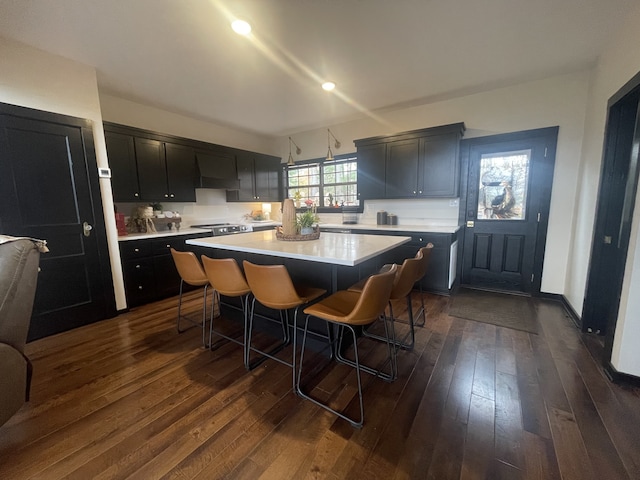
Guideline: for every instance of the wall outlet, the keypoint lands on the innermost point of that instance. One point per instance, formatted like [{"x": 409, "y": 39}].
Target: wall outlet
[{"x": 454, "y": 202}]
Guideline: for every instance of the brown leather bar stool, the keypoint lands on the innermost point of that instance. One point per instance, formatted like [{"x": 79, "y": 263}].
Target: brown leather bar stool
[
  {"x": 422, "y": 271},
  {"x": 227, "y": 280},
  {"x": 191, "y": 273},
  {"x": 349, "y": 309},
  {"x": 402, "y": 286},
  {"x": 272, "y": 287}
]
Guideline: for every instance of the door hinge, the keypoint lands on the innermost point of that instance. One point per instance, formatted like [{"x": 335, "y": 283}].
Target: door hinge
[{"x": 545, "y": 152}]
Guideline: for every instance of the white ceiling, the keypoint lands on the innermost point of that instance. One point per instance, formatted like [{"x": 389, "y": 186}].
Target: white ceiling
[{"x": 181, "y": 55}]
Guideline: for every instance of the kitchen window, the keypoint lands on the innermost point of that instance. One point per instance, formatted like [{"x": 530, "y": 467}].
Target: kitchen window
[{"x": 327, "y": 184}]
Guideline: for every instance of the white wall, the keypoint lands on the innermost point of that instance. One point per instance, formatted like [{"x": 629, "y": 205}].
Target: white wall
[
  {"x": 554, "y": 101},
  {"x": 617, "y": 65},
  {"x": 36, "y": 79}
]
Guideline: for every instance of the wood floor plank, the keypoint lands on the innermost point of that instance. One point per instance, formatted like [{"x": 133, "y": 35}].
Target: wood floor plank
[
  {"x": 129, "y": 397},
  {"x": 573, "y": 459},
  {"x": 479, "y": 446},
  {"x": 508, "y": 422},
  {"x": 540, "y": 458}
]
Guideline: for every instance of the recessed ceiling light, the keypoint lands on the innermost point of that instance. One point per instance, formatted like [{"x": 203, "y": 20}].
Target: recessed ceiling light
[
  {"x": 328, "y": 86},
  {"x": 241, "y": 27}
]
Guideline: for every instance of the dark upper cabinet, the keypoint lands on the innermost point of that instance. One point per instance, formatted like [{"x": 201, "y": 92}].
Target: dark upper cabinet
[
  {"x": 419, "y": 163},
  {"x": 260, "y": 178},
  {"x": 371, "y": 171},
  {"x": 153, "y": 167},
  {"x": 402, "y": 168},
  {"x": 181, "y": 172},
  {"x": 166, "y": 171},
  {"x": 122, "y": 161},
  {"x": 439, "y": 166},
  {"x": 152, "y": 171}
]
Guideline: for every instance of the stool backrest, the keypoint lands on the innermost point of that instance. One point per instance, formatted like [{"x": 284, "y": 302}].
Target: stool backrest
[
  {"x": 189, "y": 268},
  {"x": 426, "y": 254},
  {"x": 271, "y": 285},
  {"x": 374, "y": 297},
  {"x": 225, "y": 276},
  {"x": 406, "y": 276}
]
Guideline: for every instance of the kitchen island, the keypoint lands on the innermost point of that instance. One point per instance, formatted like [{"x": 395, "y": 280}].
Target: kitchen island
[{"x": 327, "y": 254}]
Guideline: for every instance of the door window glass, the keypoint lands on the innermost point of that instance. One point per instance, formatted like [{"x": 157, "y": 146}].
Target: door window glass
[{"x": 504, "y": 180}]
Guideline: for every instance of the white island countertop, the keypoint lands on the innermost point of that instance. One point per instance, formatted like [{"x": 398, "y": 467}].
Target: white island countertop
[{"x": 333, "y": 248}]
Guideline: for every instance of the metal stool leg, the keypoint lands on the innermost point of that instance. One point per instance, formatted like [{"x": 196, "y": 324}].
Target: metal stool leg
[{"x": 355, "y": 422}]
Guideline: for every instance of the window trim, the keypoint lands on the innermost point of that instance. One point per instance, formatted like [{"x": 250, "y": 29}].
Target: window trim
[{"x": 321, "y": 162}]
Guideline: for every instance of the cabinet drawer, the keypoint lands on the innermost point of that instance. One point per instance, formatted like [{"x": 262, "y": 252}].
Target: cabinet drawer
[
  {"x": 139, "y": 281},
  {"x": 135, "y": 249},
  {"x": 161, "y": 246}
]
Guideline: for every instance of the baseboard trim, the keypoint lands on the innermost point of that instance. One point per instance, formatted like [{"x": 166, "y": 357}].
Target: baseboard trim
[
  {"x": 557, "y": 297},
  {"x": 619, "y": 377}
]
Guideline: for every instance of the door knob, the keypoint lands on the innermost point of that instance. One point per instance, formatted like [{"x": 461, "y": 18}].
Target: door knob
[{"x": 86, "y": 229}]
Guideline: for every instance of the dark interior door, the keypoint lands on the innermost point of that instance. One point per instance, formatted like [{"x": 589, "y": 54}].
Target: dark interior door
[
  {"x": 507, "y": 206},
  {"x": 49, "y": 190},
  {"x": 616, "y": 199}
]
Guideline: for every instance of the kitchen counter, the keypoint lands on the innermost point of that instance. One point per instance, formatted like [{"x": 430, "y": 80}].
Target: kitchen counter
[
  {"x": 331, "y": 248},
  {"x": 394, "y": 228},
  {"x": 161, "y": 234}
]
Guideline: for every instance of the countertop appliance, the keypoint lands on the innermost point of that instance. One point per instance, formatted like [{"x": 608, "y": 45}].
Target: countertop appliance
[{"x": 218, "y": 229}]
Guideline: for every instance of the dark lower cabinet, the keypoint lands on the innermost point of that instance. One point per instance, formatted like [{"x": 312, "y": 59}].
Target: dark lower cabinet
[
  {"x": 149, "y": 271},
  {"x": 437, "y": 278}
]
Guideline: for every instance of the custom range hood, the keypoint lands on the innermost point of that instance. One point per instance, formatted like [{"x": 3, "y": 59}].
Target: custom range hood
[{"x": 217, "y": 171}]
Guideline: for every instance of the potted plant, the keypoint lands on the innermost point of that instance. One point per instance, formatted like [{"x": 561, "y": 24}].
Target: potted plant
[
  {"x": 157, "y": 208},
  {"x": 306, "y": 221},
  {"x": 297, "y": 196}
]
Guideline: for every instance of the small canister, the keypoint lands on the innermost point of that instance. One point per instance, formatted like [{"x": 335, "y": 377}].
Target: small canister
[
  {"x": 381, "y": 218},
  {"x": 392, "y": 219}
]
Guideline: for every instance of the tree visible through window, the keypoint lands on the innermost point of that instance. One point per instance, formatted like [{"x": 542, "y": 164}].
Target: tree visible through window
[{"x": 327, "y": 184}]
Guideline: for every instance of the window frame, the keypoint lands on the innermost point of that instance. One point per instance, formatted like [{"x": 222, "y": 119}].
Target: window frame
[{"x": 321, "y": 162}]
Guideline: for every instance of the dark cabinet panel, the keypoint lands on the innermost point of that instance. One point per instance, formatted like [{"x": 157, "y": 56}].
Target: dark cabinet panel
[
  {"x": 439, "y": 166},
  {"x": 139, "y": 281},
  {"x": 260, "y": 178},
  {"x": 402, "y": 168},
  {"x": 152, "y": 172},
  {"x": 371, "y": 171},
  {"x": 122, "y": 161},
  {"x": 246, "y": 192},
  {"x": 181, "y": 172}
]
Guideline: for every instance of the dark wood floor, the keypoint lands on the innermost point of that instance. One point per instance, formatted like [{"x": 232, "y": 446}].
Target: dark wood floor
[{"x": 131, "y": 398}]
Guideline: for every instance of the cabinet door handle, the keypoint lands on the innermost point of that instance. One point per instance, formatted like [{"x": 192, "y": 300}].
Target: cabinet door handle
[
  {"x": 414, "y": 192},
  {"x": 166, "y": 195},
  {"x": 420, "y": 191},
  {"x": 138, "y": 267},
  {"x": 168, "y": 246},
  {"x": 172, "y": 195},
  {"x": 136, "y": 250},
  {"x": 136, "y": 194},
  {"x": 139, "y": 287}
]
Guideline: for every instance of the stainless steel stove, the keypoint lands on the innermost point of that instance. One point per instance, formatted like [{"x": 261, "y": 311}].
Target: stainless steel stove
[{"x": 218, "y": 229}]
